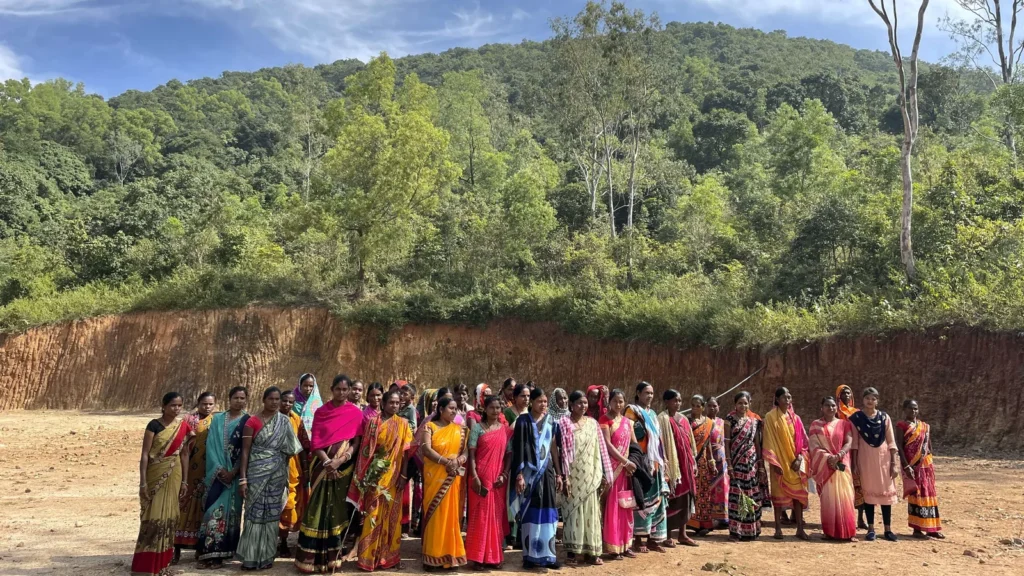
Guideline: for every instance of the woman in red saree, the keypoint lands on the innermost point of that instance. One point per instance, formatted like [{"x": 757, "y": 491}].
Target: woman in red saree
[
  {"x": 488, "y": 510},
  {"x": 711, "y": 498},
  {"x": 161, "y": 487},
  {"x": 914, "y": 440},
  {"x": 680, "y": 464},
  {"x": 617, "y": 431},
  {"x": 831, "y": 441}
]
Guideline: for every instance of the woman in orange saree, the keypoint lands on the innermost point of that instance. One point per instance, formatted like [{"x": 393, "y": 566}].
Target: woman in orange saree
[
  {"x": 161, "y": 487},
  {"x": 378, "y": 484},
  {"x": 711, "y": 500},
  {"x": 831, "y": 440},
  {"x": 291, "y": 515},
  {"x": 914, "y": 440},
  {"x": 444, "y": 458}
]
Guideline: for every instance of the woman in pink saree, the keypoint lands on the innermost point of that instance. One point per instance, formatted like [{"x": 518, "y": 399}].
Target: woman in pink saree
[
  {"x": 488, "y": 512},
  {"x": 618, "y": 516},
  {"x": 831, "y": 440}
]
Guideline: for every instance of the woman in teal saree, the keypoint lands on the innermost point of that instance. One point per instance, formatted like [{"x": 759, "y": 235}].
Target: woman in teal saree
[{"x": 222, "y": 519}]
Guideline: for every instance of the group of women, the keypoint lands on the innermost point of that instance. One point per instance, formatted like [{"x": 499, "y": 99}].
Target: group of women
[{"x": 475, "y": 479}]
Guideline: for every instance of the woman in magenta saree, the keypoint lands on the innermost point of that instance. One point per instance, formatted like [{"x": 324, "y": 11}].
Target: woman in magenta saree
[
  {"x": 830, "y": 442},
  {"x": 617, "y": 431}
]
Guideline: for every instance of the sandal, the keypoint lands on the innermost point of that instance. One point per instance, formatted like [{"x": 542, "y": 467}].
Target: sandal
[
  {"x": 937, "y": 535},
  {"x": 640, "y": 549},
  {"x": 686, "y": 541},
  {"x": 629, "y": 554},
  {"x": 703, "y": 532},
  {"x": 596, "y": 561}
]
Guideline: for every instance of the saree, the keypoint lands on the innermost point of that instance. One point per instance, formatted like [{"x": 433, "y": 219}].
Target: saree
[
  {"x": 535, "y": 510},
  {"x": 845, "y": 410},
  {"x": 784, "y": 440},
  {"x": 273, "y": 445},
  {"x": 618, "y": 520},
  {"x": 295, "y": 503},
  {"x": 835, "y": 487},
  {"x": 158, "y": 517},
  {"x": 651, "y": 517},
  {"x": 748, "y": 491},
  {"x": 488, "y": 514},
  {"x": 187, "y": 535},
  {"x": 375, "y": 491},
  {"x": 711, "y": 497},
  {"x": 222, "y": 519},
  {"x": 327, "y": 514},
  {"x": 680, "y": 466},
  {"x": 581, "y": 510},
  {"x": 442, "y": 539},
  {"x": 922, "y": 498}
]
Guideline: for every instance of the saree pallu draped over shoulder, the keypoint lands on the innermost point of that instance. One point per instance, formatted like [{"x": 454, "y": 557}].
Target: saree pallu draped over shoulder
[
  {"x": 711, "y": 500},
  {"x": 748, "y": 485},
  {"x": 785, "y": 440},
  {"x": 442, "y": 539},
  {"x": 581, "y": 510},
  {"x": 267, "y": 476},
  {"x": 680, "y": 466},
  {"x": 922, "y": 497},
  {"x": 222, "y": 518},
  {"x": 158, "y": 517},
  {"x": 375, "y": 491},
  {"x": 618, "y": 519},
  {"x": 651, "y": 516},
  {"x": 187, "y": 535},
  {"x": 488, "y": 514},
  {"x": 535, "y": 510},
  {"x": 295, "y": 504},
  {"x": 835, "y": 487}
]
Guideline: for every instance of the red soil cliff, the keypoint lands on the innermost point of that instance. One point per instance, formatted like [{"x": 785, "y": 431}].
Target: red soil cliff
[{"x": 968, "y": 381}]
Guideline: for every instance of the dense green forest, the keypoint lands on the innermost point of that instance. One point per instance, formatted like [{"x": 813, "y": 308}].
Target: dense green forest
[{"x": 692, "y": 183}]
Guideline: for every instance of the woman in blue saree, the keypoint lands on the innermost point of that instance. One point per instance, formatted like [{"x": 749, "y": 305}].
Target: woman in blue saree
[
  {"x": 268, "y": 442},
  {"x": 534, "y": 465},
  {"x": 222, "y": 518}
]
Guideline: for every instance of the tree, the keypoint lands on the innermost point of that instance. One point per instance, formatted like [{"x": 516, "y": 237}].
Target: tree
[
  {"x": 124, "y": 152},
  {"x": 907, "y": 99},
  {"x": 389, "y": 163},
  {"x": 991, "y": 31}
]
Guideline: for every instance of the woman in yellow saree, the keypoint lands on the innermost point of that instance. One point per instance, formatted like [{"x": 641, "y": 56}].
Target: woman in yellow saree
[
  {"x": 785, "y": 452},
  {"x": 444, "y": 458},
  {"x": 161, "y": 487},
  {"x": 376, "y": 490}
]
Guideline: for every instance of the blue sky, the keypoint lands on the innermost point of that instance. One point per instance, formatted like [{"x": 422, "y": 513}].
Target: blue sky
[{"x": 116, "y": 45}]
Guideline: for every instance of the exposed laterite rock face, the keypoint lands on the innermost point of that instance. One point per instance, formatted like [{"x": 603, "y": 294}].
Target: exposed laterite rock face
[{"x": 968, "y": 381}]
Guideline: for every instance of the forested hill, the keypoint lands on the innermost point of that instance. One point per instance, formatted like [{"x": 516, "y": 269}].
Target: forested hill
[{"x": 687, "y": 183}]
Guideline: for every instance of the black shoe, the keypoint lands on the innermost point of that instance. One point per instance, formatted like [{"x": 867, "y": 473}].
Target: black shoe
[{"x": 891, "y": 537}]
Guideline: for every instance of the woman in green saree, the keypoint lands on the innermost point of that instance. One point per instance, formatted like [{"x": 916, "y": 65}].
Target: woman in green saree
[{"x": 222, "y": 519}]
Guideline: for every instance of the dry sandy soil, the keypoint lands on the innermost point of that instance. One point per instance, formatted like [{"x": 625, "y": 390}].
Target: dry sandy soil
[{"x": 67, "y": 486}]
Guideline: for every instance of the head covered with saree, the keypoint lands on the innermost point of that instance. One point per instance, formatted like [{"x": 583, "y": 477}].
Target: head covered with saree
[
  {"x": 845, "y": 410},
  {"x": 479, "y": 395},
  {"x": 307, "y": 407},
  {"x": 597, "y": 409}
]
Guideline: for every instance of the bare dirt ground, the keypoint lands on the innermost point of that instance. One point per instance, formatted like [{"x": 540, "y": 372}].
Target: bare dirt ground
[{"x": 70, "y": 506}]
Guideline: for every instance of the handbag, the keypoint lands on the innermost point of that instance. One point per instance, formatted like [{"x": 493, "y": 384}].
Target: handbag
[{"x": 626, "y": 499}]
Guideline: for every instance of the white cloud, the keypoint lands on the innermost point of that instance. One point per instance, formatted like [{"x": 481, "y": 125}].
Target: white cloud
[
  {"x": 42, "y": 8},
  {"x": 519, "y": 15},
  {"x": 333, "y": 29},
  {"x": 10, "y": 65}
]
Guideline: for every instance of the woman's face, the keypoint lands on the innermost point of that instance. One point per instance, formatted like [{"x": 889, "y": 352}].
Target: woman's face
[
  {"x": 911, "y": 412},
  {"x": 493, "y": 411},
  {"x": 696, "y": 408},
  {"x": 828, "y": 410},
  {"x": 523, "y": 400},
  {"x": 673, "y": 404},
  {"x": 616, "y": 404},
  {"x": 272, "y": 403},
  {"x": 594, "y": 396},
  {"x": 742, "y": 405},
  {"x": 579, "y": 407},
  {"x": 507, "y": 391},
  {"x": 307, "y": 387},
  {"x": 390, "y": 408},
  {"x": 173, "y": 408},
  {"x": 355, "y": 393},
  {"x": 287, "y": 401},
  {"x": 845, "y": 396},
  {"x": 463, "y": 397},
  {"x": 784, "y": 401},
  {"x": 871, "y": 401},
  {"x": 205, "y": 406},
  {"x": 374, "y": 397},
  {"x": 712, "y": 408},
  {"x": 448, "y": 413},
  {"x": 341, "y": 393},
  {"x": 646, "y": 396},
  {"x": 562, "y": 401},
  {"x": 539, "y": 405},
  {"x": 237, "y": 401}
]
